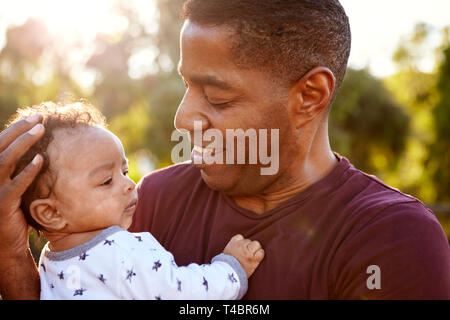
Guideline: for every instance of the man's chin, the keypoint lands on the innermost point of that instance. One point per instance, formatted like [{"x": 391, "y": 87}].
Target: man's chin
[
  {"x": 219, "y": 177},
  {"x": 229, "y": 179}
]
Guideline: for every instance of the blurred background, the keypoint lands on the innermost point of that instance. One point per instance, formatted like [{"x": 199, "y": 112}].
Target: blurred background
[{"x": 391, "y": 117}]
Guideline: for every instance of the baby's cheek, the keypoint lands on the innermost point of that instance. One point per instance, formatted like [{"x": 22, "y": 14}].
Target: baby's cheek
[
  {"x": 110, "y": 205},
  {"x": 101, "y": 205},
  {"x": 104, "y": 204}
]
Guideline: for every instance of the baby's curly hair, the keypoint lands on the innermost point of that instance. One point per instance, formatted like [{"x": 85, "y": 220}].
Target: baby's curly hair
[{"x": 54, "y": 116}]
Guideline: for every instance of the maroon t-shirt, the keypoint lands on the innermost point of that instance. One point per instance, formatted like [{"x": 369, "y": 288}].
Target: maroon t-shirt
[{"x": 348, "y": 236}]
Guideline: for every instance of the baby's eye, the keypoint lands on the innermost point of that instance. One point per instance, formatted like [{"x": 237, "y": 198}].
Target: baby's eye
[
  {"x": 125, "y": 172},
  {"x": 107, "y": 182}
]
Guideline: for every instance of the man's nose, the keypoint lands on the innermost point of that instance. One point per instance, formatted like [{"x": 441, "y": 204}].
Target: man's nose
[{"x": 190, "y": 112}]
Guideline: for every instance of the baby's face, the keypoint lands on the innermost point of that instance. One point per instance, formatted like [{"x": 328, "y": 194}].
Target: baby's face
[{"x": 92, "y": 188}]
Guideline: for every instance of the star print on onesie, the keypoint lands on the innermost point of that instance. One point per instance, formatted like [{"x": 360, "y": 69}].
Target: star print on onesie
[
  {"x": 232, "y": 278},
  {"x": 101, "y": 278},
  {"x": 156, "y": 265},
  {"x": 108, "y": 242},
  {"x": 79, "y": 292},
  {"x": 130, "y": 274},
  {"x": 205, "y": 283},
  {"x": 117, "y": 264}
]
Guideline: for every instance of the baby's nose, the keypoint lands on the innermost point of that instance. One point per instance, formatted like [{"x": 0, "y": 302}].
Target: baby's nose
[{"x": 129, "y": 185}]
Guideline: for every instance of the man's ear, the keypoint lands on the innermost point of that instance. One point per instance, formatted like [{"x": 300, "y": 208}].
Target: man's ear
[
  {"x": 311, "y": 95},
  {"x": 44, "y": 212}
]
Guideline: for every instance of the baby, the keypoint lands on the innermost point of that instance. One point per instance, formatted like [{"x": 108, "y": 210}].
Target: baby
[{"x": 83, "y": 202}]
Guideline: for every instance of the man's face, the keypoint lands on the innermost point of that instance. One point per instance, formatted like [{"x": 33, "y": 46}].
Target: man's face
[{"x": 223, "y": 96}]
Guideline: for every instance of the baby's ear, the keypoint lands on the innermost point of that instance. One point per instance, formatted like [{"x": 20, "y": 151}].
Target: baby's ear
[{"x": 44, "y": 212}]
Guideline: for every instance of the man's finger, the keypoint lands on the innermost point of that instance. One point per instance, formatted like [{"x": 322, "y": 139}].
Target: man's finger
[
  {"x": 18, "y": 128},
  {"x": 23, "y": 180},
  {"x": 10, "y": 156}
]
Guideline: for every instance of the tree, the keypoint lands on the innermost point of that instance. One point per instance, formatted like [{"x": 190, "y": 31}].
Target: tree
[
  {"x": 439, "y": 158},
  {"x": 423, "y": 170},
  {"x": 25, "y": 76},
  {"x": 366, "y": 124}
]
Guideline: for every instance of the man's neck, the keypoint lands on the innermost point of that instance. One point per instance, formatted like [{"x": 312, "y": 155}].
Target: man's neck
[{"x": 295, "y": 181}]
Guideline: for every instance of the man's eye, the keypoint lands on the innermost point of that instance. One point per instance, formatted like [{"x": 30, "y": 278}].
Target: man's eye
[{"x": 217, "y": 105}]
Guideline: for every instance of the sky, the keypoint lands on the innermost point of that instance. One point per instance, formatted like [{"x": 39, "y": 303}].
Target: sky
[{"x": 377, "y": 25}]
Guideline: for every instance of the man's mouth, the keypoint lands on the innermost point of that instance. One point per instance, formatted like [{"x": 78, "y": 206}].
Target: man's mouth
[{"x": 202, "y": 155}]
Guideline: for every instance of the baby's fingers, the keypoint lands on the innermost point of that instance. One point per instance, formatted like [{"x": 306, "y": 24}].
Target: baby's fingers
[
  {"x": 259, "y": 255},
  {"x": 253, "y": 246},
  {"x": 237, "y": 237}
]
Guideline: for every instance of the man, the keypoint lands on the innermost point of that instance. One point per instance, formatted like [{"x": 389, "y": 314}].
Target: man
[{"x": 329, "y": 231}]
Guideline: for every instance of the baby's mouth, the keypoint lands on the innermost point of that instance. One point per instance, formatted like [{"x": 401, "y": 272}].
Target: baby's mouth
[{"x": 131, "y": 206}]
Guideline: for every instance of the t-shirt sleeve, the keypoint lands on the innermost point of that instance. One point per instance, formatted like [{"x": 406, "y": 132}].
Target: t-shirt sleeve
[
  {"x": 150, "y": 272},
  {"x": 402, "y": 253}
]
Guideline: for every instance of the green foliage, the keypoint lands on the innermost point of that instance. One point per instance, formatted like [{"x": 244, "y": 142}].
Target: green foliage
[
  {"x": 412, "y": 48},
  {"x": 37, "y": 242},
  {"x": 424, "y": 168},
  {"x": 366, "y": 124},
  {"x": 439, "y": 158},
  {"x": 416, "y": 92},
  {"x": 131, "y": 126}
]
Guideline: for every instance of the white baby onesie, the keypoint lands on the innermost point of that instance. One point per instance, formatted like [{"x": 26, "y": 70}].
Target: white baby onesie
[{"x": 117, "y": 264}]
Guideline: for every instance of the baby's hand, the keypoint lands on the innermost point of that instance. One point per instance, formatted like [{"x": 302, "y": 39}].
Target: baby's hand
[{"x": 249, "y": 253}]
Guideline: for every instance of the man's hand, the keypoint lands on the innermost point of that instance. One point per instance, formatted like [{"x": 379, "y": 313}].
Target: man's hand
[
  {"x": 14, "y": 142},
  {"x": 17, "y": 270}
]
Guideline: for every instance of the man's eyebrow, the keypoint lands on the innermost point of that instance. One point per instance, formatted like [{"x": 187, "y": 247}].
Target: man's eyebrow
[
  {"x": 206, "y": 80},
  {"x": 210, "y": 80}
]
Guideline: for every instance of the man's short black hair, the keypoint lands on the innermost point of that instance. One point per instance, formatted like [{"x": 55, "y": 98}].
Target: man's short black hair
[{"x": 284, "y": 37}]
